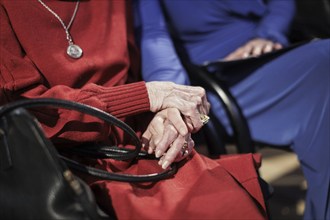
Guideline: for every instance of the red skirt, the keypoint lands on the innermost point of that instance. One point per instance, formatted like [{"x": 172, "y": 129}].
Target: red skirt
[{"x": 203, "y": 188}]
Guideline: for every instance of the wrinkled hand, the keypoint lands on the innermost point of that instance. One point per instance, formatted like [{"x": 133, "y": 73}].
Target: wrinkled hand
[
  {"x": 254, "y": 48},
  {"x": 189, "y": 100},
  {"x": 165, "y": 136}
]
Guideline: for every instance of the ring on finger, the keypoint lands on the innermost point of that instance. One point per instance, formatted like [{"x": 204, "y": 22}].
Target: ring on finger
[
  {"x": 204, "y": 118},
  {"x": 184, "y": 149}
]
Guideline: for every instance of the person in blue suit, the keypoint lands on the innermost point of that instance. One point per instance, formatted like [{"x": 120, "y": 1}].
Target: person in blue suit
[{"x": 286, "y": 100}]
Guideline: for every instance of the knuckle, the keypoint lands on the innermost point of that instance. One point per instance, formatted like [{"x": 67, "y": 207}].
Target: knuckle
[
  {"x": 184, "y": 131},
  {"x": 191, "y": 109},
  {"x": 188, "y": 109},
  {"x": 201, "y": 91},
  {"x": 198, "y": 100},
  {"x": 173, "y": 130},
  {"x": 158, "y": 119}
]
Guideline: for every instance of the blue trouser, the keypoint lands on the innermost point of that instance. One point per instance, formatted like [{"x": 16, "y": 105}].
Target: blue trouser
[{"x": 286, "y": 102}]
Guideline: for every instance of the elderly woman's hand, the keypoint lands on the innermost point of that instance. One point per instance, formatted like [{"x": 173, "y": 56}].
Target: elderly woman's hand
[
  {"x": 189, "y": 100},
  {"x": 167, "y": 136}
]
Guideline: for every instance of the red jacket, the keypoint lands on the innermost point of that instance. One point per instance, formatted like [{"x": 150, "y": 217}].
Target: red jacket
[{"x": 34, "y": 62}]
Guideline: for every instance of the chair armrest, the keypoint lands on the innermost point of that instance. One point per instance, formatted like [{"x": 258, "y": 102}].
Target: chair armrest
[{"x": 201, "y": 77}]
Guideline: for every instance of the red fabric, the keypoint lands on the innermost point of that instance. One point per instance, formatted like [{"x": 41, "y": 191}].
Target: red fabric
[
  {"x": 202, "y": 189},
  {"x": 247, "y": 176},
  {"x": 34, "y": 62}
]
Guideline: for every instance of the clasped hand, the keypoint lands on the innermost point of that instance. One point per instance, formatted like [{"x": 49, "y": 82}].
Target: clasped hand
[{"x": 178, "y": 111}]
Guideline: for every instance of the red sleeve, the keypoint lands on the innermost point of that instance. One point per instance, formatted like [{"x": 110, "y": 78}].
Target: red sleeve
[{"x": 19, "y": 78}]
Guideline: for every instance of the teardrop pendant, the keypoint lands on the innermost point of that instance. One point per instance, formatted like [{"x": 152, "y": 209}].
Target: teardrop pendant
[{"x": 74, "y": 51}]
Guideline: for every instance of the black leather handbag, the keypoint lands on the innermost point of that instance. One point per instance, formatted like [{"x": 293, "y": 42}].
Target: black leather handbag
[{"x": 36, "y": 182}]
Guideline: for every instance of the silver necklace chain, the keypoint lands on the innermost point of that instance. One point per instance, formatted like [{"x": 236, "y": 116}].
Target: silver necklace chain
[{"x": 73, "y": 50}]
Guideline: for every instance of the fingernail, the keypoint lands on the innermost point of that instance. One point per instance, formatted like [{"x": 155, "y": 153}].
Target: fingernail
[
  {"x": 158, "y": 153},
  {"x": 150, "y": 150},
  {"x": 165, "y": 164}
]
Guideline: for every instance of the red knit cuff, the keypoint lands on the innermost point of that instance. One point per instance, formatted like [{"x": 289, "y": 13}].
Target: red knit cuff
[{"x": 126, "y": 100}]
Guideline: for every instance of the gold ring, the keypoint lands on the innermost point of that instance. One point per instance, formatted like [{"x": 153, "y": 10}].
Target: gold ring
[
  {"x": 184, "y": 149},
  {"x": 204, "y": 118}
]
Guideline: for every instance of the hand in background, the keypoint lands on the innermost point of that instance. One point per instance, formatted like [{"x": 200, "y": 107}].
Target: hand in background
[{"x": 254, "y": 48}]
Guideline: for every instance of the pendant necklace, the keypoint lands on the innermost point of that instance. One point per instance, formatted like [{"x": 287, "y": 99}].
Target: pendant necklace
[{"x": 73, "y": 50}]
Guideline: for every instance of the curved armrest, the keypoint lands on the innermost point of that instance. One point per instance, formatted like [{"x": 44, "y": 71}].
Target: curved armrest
[{"x": 201, "y": 77}]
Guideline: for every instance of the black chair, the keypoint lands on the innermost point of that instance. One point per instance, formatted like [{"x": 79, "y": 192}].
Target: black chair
[{"x": 214, "y": 133}]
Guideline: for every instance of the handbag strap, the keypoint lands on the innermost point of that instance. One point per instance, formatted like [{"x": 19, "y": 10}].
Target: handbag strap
[
  {"x": 44, "y": 102},
  {"x": 115, "y": 153}
]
